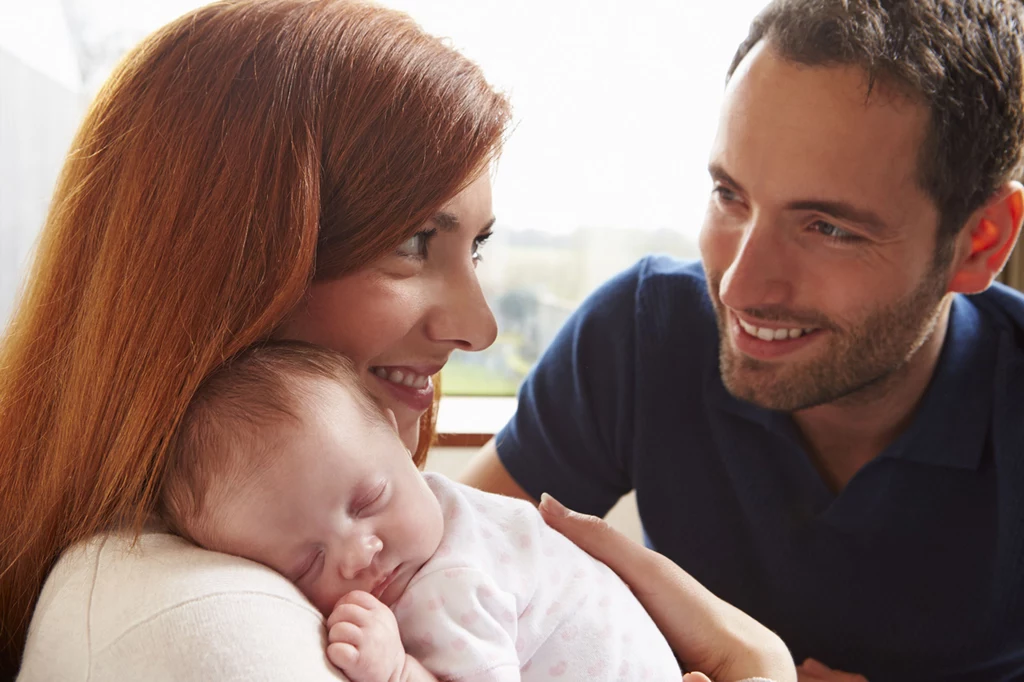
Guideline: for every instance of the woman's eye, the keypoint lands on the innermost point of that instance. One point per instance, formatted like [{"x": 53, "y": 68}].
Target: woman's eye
[
  {"x": 834, "y": 232},
  {"x": 416, "y": 245},
  {"x": 478, "y": 244}
]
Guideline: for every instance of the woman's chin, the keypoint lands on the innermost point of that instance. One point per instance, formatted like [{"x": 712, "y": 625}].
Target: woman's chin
[{"x": 409, "y": 432}]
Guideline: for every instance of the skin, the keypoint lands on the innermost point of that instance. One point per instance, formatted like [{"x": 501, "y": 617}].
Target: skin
[
  {"x": 408, "y": 311},
  {"x": 810, "y": 228},
  {"x": 340, "y": 510},
  {"x": 817, "y": 223}
]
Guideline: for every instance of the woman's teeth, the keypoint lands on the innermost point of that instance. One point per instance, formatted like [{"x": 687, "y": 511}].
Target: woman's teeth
[
  {"x": 766, "y": 334},
  {"x": 397, "y": 376}
]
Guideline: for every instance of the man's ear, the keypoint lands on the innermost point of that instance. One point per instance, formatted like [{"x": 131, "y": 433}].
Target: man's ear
[{"x": 985, "y": 243}]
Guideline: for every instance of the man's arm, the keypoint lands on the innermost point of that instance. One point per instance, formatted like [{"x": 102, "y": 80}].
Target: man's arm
[{"x": 486, "y": 472}]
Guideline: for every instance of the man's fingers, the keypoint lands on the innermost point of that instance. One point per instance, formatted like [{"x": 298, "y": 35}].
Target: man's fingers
[
  {"x": 589, "y": 533},
  {"x": 812, "y": 670},
  {"x": 695, "y": 677}
]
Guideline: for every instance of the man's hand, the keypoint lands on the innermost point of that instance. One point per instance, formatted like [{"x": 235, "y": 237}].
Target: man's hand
[
  {"x": 815, "y": 671},
  {"x": 705, "y": 632},
  {"x": 363, "y": 639}
]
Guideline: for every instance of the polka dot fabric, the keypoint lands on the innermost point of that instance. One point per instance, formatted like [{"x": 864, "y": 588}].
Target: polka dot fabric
[{"x": 507, "y": 598}]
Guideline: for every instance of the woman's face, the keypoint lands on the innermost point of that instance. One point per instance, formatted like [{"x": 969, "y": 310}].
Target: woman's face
[{"x": 400, "y": 318}]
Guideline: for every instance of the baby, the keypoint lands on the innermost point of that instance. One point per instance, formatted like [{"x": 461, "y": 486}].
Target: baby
[{"x": 282, "y": 458}]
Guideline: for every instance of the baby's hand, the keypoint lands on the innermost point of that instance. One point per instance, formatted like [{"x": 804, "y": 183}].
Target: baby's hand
[{"x": 363, "y": 639}]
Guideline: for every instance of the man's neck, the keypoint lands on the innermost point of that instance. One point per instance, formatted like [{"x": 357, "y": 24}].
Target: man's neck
[{"x": 843, "y": 436}]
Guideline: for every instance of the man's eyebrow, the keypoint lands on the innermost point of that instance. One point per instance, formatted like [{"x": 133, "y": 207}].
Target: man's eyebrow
[
  {"x": 718, "y": 173},
  {"x": 449, "y": 222},
  {"x": 844, "y": 211},
  {"x": 837, "y": 209}
]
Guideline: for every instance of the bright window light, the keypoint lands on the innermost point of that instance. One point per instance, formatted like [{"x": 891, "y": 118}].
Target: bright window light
[{"x": 615, "y": 107}]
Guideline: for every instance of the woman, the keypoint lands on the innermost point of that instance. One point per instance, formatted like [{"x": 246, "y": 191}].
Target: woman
[{"x": 309, "y": 169}]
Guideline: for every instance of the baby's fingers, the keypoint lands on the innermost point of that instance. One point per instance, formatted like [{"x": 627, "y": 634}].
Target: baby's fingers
[
  {"x": 354, "y": 606},
  {"x": 348, "y": 613},
  {"x": 345, "y": 633},
  {"x": 342, "y": 654},
  {"x": 361, "y": 598}
]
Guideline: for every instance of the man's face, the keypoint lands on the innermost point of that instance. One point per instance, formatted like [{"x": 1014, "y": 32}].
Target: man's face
[{"x": 818, "y": 243}]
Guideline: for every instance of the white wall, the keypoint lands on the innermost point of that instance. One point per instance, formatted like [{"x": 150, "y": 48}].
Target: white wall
[{"x": 40, "y": 109}]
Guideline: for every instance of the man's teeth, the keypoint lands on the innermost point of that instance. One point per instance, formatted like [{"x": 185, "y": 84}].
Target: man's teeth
[
  {"x": 766, "y": 334},
  {"x": 397, "y": 376}
]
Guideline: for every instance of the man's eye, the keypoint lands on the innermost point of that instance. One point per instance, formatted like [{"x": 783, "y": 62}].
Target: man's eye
[
  {"x": 416, "y": 245},
  {"x": 834, "y": 232},
  {"x": 723, "y": 193}
]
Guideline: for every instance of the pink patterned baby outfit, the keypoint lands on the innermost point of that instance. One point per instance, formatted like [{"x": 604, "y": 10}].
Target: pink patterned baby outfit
[{"x": 507, "y": 598}]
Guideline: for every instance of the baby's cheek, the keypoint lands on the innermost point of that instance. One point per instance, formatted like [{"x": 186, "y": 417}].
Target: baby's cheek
[
  {"x": 426, "y": 531},
  {"x": 324, "y": 599}
]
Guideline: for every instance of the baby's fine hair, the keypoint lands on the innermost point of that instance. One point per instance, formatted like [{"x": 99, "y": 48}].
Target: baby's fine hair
[{"x": 224, "y": 433}]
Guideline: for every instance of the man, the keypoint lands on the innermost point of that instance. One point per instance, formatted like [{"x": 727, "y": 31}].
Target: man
[{"x": 825, "y": 423}]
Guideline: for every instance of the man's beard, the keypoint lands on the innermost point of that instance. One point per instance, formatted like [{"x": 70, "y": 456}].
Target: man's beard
[{"x": 857, "y": 362}]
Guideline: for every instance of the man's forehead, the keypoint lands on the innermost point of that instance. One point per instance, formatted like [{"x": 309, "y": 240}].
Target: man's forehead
[{"x": 798, "y": 133}]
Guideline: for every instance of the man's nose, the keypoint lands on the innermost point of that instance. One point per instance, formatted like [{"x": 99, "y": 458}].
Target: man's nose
[
  {"x": 760, "y": 273},
  {"x": 460, "y": 315}
]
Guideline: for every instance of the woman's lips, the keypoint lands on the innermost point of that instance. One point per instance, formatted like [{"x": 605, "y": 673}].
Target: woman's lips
[{"x": 409, "y": 385}]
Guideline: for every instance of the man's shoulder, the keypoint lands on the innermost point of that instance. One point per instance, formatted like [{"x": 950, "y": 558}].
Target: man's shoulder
[
  {"x": 662, "y": 273},
  {"x": 1004, "y": 307},
  {"x": 657, "y": 288}
]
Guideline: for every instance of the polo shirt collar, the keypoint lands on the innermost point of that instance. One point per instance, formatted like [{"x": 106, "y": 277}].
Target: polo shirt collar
[{"x": 953, "y": 418}]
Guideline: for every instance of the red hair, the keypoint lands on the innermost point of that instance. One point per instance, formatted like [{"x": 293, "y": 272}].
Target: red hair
[{"x": 235, "y": 156}]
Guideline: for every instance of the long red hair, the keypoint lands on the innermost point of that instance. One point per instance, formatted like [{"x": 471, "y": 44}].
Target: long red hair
[{"x": 235, "y": 156}]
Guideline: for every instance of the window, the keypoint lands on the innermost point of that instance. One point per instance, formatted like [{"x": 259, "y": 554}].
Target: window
[{"x": 615, "y": 109}]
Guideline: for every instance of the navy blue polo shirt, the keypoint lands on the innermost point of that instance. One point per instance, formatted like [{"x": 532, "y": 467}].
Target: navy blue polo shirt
[{"x": 914, "y": 571}]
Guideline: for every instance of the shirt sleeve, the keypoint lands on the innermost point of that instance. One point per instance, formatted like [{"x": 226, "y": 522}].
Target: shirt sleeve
[
  {"x": 572, "y": 431},
  {"x": 233, "y": 637},
  {"x": 460, "y": 626}
]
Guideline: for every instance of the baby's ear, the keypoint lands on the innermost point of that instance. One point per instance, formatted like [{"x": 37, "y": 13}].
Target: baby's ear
[{"x": 392, "y": 419}]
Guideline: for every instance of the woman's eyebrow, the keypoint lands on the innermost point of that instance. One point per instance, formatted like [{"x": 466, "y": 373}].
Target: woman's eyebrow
[{"x": 449, "y": 222}]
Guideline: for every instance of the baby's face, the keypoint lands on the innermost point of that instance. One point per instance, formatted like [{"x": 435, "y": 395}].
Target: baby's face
[{"x": 341, "y": 508}]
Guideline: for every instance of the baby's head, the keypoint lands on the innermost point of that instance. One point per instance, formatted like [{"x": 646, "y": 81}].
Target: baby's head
[{"x": 283, "y": 458}]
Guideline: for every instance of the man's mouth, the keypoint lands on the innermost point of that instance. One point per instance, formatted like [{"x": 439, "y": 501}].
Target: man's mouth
[{"x": 776, "y": 334}]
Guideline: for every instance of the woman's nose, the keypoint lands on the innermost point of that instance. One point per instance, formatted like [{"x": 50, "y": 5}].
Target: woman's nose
[
  {"x": 461, "y": 315},
  {"x": 357, "y": 554}
]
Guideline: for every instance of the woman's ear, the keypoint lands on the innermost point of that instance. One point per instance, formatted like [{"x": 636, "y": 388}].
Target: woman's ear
[{"x": 986, "y": 242}]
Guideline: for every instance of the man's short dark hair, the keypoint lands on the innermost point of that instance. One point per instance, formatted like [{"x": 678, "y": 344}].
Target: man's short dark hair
[{"x": 963, "y": 58}]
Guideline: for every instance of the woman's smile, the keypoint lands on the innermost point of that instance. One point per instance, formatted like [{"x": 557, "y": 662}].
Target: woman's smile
[{"x": 411, "y": 385}]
